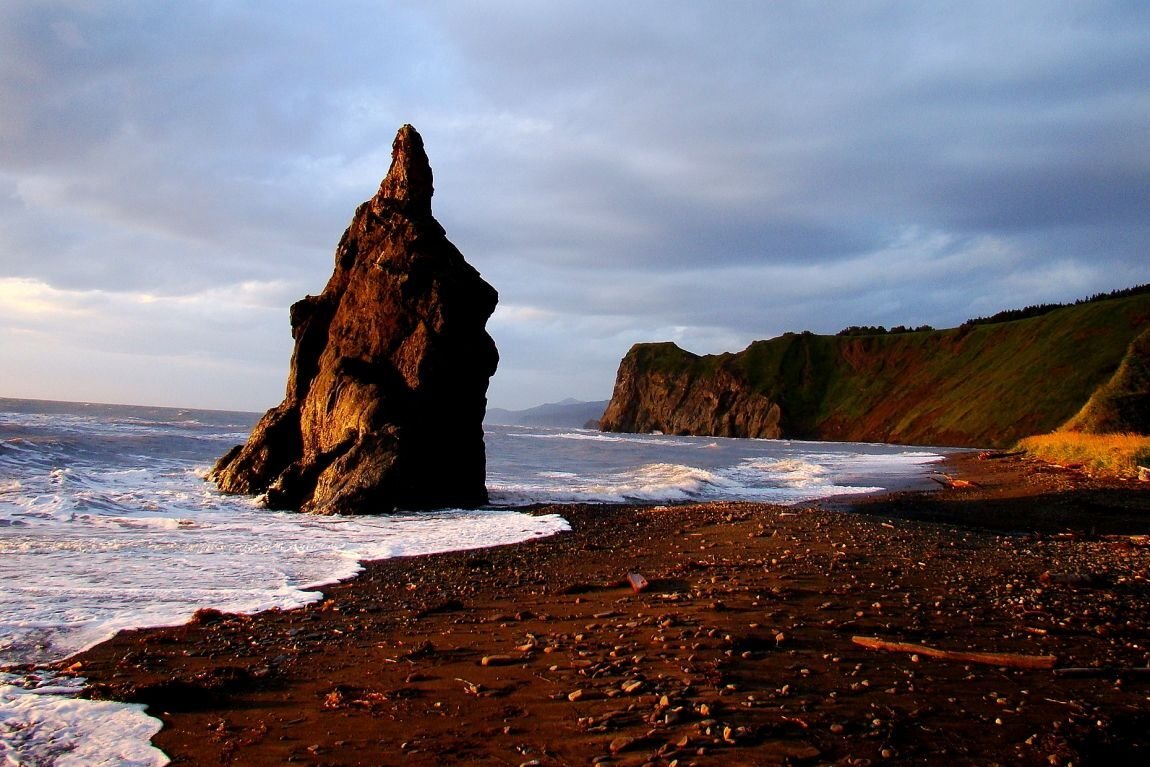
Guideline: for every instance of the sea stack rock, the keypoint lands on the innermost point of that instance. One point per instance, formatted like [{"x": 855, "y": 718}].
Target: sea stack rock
[{"x": 388, "y": 381}]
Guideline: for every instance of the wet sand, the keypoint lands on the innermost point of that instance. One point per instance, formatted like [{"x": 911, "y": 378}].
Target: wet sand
[{"x": 739, "y": 651}]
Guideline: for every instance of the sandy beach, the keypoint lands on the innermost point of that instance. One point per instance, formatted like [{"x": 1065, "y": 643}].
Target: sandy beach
[{"x": 744, "y": 647}]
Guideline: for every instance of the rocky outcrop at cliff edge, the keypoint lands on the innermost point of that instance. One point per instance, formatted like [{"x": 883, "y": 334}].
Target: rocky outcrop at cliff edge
[
  {"x": 984, "y": 385},
  {"x": 654, "y": 397},
  {"x": 388, "y": 379}
]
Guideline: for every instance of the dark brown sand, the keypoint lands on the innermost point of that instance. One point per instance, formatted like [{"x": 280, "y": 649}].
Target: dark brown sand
[{"x": 739, "y": 652}]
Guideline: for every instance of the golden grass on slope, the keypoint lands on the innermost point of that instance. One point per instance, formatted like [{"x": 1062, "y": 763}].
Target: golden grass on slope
[{"x": 1105, "y": 455}]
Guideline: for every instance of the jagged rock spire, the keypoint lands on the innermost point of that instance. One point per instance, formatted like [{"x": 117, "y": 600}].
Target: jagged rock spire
[
  {"x": 388, "y": 380},
  {"x": 409, "y": 181}
]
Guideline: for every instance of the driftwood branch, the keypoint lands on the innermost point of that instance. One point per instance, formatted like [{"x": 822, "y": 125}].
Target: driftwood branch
[
  {"x": 948, "y": 481},
  {"x": 1008, "y": 660},
  {"x": 1104, "y": 672}
]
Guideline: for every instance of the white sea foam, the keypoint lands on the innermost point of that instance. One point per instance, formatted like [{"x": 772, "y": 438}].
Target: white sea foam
[
  {"x": 45, "y": 724},
  {"x": 88, "y": 575},
  {"x": 795, "y": 479},
  {"x": 585, "y": 435}
]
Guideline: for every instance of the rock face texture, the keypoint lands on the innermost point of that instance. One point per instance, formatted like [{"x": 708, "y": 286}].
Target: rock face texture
[
  {"x": 388, "y": 380},
  {"x": 984, "y": 385},
  {"x": 650, "y": 397}
]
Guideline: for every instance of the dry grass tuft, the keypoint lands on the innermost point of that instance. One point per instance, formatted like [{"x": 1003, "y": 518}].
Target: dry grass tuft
[{"x": 1103, "y": 455}]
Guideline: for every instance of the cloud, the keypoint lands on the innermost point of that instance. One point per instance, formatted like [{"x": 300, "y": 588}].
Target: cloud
[
  {"x": 619, "y": 172},
  {"x": 224, "y": 347}
]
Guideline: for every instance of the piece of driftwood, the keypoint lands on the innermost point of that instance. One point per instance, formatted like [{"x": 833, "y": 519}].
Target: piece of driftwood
[
  {"x": 1008, "y": 660},
  {"x": 948, "y": 481},
  {"x": 638, "y": 582},
  {"x": 1103, "y": 672},
  {"x": 990, "y": 455}
]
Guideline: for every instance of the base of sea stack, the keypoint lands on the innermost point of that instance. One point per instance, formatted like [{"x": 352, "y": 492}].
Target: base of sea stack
[{"x": 1027, "y": 591}]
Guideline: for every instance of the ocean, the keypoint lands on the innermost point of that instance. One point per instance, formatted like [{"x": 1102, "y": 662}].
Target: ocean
[{"x": 107, "y": 522}]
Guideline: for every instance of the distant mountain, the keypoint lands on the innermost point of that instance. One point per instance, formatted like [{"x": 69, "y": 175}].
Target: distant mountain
[
  {"x": 987, "y": 383},
  {"x": 569, "y": 413}
]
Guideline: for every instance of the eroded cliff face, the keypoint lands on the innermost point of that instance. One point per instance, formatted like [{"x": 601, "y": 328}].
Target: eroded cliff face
[
  {"x": 388, "y": 379},
  {"x": 673, "y": 401},
  {"x": 979, "y": 386}
]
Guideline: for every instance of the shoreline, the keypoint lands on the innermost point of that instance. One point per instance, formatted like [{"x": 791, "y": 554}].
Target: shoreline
[{"x": 740, "y": 650}]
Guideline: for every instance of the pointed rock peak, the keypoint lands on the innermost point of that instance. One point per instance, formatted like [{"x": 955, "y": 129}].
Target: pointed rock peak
[{"x": 408, "y": 181}]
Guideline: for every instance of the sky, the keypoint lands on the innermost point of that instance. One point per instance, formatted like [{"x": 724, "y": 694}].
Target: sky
[{"x": 174, "y": 175}]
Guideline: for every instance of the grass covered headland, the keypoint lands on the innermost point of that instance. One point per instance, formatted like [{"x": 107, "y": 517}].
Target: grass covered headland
[{"x": 987, "y": 383}]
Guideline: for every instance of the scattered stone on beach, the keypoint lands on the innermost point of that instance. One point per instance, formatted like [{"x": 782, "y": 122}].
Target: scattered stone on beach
[
  {"x": 388, "y": 381},
  {"x": 378, "y": 672},
  {"x": 638, "y": 583},
  {"x": 499, "y": 660}
]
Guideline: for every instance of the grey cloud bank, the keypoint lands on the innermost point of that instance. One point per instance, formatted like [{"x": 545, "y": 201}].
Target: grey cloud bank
[{"x": 173, "y": 177}]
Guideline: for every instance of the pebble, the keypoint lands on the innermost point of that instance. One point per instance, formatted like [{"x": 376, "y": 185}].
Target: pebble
[
  {"x": 581, "y": 694},
  {"x": 499, "y": 660},
  {"x": 621, "y": 744}
]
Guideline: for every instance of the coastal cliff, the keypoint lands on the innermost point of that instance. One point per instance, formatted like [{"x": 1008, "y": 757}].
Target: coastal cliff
[
  {"x": 387, "y": 385},
  {"x": 981, "y": 385}
]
